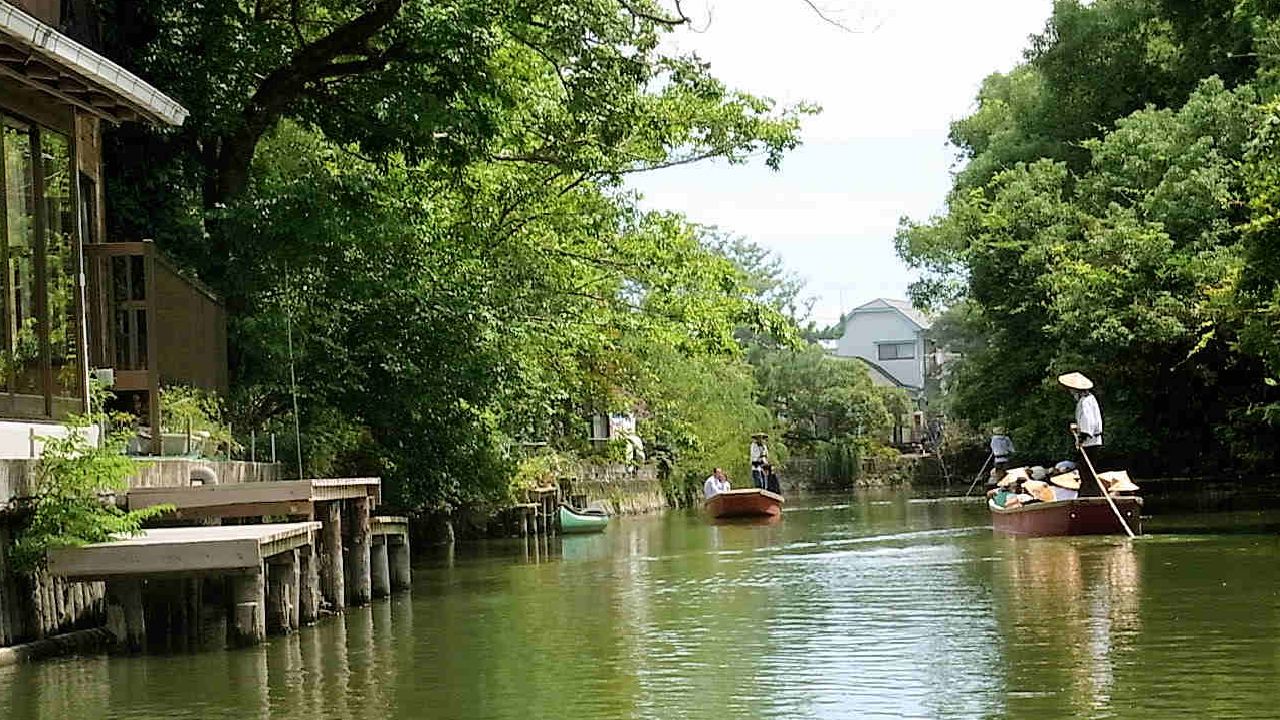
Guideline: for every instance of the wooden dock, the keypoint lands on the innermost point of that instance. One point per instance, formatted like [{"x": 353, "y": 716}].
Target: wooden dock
[
  {"x": 264, "y": 574},
  {"x": 343, "y": 505}
]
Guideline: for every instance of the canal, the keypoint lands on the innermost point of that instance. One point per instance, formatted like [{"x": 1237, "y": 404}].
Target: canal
[{"x": 871, "y": 606}]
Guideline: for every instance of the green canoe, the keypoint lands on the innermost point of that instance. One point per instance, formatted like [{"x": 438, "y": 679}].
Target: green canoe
[{"x": 572, "y": 521}]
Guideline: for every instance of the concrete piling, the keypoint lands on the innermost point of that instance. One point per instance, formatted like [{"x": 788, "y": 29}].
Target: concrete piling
[
  {"x": 361, "y": 539},
  {"x": 380, "y": 569}
]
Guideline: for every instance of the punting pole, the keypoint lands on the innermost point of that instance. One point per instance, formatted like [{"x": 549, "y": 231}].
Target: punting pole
[
  {"x": 979, "y": 477},
  {"x": 1105, "y": 492}
]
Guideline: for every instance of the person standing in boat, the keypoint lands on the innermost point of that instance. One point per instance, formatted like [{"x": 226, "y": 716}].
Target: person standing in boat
[
  {"x": 1087, "y": 428},
  {"x": 759, "y": 458},
  {"x": 715, "y": 484}
]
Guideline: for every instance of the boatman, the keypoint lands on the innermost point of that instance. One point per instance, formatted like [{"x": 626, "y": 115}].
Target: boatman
[
  {"x": 759, "y": 458},
  {"x": 1087, "y": 428},
  {"x": 715, "y": 484},
  {"x": 1001, "y": 450}
]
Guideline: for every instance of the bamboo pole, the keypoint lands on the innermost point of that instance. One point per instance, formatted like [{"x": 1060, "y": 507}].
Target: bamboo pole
[{"x": 1105, "y": 492}]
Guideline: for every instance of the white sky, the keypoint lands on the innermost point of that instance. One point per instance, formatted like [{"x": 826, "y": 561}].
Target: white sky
[{"x": 876, "y": 153}]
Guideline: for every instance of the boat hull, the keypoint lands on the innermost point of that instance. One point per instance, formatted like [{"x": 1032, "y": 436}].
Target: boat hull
[
  {"x": 747, "y": 502},
  {"x": 575, "y": 522},
  {"x": 1082, "y": 516}
]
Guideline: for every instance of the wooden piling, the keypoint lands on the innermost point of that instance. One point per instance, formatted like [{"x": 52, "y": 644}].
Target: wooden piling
[
  {"x": 125, "y": 617},
  {"x": 361, "y": 539},
  {"x": 331, "y": 562},
  {"x": 248, "y": 602},
  {"x": 398, "y": 557},
  {"x": 309, "y": 591},
  {"x": 380, "y": 568},
  {"x": 282, "y": 592}
]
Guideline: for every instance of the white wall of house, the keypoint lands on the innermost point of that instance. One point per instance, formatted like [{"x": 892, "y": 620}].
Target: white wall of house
[
  {"x": 878, "y": 324},
  {"x": 21, "y": 440}
]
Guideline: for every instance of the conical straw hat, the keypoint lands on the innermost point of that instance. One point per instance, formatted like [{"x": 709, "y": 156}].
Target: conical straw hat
[
  {"x": 1076, "y": 381},
  {"x": 1070, "y": 481}
]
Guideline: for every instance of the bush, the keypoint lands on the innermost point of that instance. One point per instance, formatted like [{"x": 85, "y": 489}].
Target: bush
[{"x": 71, "y": 503}]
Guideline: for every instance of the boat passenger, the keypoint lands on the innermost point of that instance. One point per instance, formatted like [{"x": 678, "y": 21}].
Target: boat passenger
[
  {"x": 771, "y": 481},
  {"x": 715, "y": 484},
  {"x": 759, "y": 458},
  {"x": 1065, "y": 486},
  {"x": 1087, "y": 428}
]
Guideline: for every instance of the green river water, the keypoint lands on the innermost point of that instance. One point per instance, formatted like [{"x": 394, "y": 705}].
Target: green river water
[{"x": 867, "y": 606}]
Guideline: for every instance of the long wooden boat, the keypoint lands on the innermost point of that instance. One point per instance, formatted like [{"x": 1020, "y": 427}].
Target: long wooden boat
[
  {"x": 745, "y": 502},
  {"x": 573, "y": 521},
  {"x": 1082, "y": 516}
]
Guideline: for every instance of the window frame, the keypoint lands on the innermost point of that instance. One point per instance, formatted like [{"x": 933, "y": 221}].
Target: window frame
[
  {"x": 35, "y": 131},
  {"x": 897, "y": 346}
]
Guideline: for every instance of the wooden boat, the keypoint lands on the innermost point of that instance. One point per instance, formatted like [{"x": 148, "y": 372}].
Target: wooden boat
[
  {"x": 1082, "y": 516},
  {"x": 582, "y": 521},
  {"x": 746, "y": 502}
]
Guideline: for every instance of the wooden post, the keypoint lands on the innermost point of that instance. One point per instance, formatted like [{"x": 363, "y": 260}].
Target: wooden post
[
  {"x": 6, "y": 598},
  {"x": 248, "y": 624},
  {"x": 398, "y": 554},
  {"x": 380, "y": 568},
  {"x": 125, "y": 617},
  {"x": 281, "y": 586},
  {"x": 309, "y": 591},
  {"x": 331, "y": 563},
  {"x": 361, "y": 537}
]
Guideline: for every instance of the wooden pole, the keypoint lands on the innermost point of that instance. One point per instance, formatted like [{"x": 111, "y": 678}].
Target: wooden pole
[
  {"x": 309, "y": 592},
  {"x": 1105, "y": 493},
  {"x": 125, "y": 617},
  {"x": 979, "y": 477},
  {"x": 398, "y": 556},
  {"x": 380, "y": 566},
  {"x": 248, "y": 602},
  {"x": 333, "y": 582},
  {"x": 361, "y": 539}
]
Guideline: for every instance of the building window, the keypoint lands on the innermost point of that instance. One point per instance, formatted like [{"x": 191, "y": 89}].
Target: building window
[
  {"x": 896, "y": 351},
  {"x": 40, "y": 364}
]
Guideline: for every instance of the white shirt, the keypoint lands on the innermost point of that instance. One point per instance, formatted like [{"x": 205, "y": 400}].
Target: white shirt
[
  {"x": 714, "y": 486},
  {"x": 1001, "y": 447},
  {"x": 1089, "y": 420},
  {"x": 759, "y": 452}
]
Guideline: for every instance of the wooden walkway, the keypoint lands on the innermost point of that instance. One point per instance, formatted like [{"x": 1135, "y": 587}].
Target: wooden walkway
[
  {"x": 264, "y": 575},
  {"x": 283, "y": 497}
]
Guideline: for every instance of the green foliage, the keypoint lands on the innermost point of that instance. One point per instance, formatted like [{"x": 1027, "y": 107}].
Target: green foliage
[
  {"x": 431, "y": 196},
  {"x": 184, "y": 409},
  {"x": 1113, "y": 218},
  {"x": 72, "y": 502}
]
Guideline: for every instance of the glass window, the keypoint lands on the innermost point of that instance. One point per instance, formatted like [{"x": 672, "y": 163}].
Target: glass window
[
  {"x": 897, "y": 351},
  {"x": 40, "y": 368}
]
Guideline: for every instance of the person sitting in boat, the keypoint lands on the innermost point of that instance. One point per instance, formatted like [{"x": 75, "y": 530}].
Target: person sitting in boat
[
  {"x": 771, "y": 481},
  {"x": 715, "y": 484},
  {"x": 1118, "y": 482},
  {"x": 1065, "y": 486},
  {"x": 1087, "y": 428},
  {"x": 759, "y": 458}
]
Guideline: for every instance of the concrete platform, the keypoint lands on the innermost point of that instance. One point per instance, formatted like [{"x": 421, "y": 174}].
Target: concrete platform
[
  {"x": 168, "y": 551},
  {"x": 296, "y": 498}
]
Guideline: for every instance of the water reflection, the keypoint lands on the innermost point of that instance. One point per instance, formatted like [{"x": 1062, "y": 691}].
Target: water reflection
[{"x": 872, "y": 606}]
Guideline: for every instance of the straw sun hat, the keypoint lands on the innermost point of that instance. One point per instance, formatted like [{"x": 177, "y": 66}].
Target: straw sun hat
[
  {"x": 1118, "y": 481},
  {"x": 1039, "y": 490},
  {"x": 1070, "y": 481},
  {"x": 1076, "y": 381}
]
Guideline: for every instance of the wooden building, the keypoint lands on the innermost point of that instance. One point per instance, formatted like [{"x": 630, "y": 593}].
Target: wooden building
[{"x": 71, "y": 299}]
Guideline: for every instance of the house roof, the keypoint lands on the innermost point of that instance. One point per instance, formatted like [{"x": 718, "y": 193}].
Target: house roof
[
  {"x": 40, "y": 57},
  {"x": 904, "y": 307},
  {"x": 887, "y": 378}
]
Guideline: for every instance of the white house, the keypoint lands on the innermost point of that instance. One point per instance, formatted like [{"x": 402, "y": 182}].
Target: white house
[{"x": 889, "y": 335}]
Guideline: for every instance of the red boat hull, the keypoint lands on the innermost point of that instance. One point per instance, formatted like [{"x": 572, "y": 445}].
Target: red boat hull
[
  {"x": 1083, "y": 516},
  {"x": 747, "y": 502}
]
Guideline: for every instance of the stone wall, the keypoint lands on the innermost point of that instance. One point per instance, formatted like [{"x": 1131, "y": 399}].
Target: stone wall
[{"x": 625, "y": 490}]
